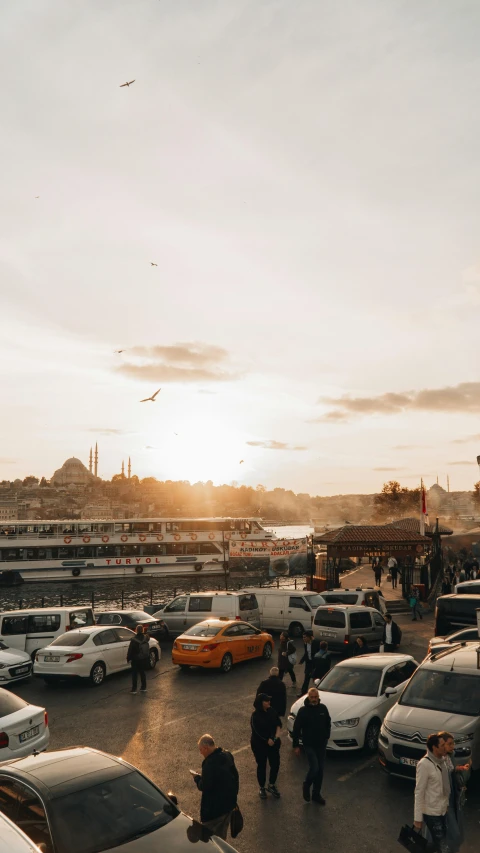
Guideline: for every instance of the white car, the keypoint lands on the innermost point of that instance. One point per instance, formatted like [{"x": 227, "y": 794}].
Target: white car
[
  {"x": 13, "y": 839},
  {"x": 15, "y": 665},
  {"x": 358, "y": 692},
  {"x": 92, "y": 653},
  {"x": 23, "y": 727}
]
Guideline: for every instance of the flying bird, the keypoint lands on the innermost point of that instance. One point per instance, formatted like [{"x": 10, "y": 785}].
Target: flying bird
[
  {"x": 119, "y": 350},
  {"x": 126, "y": 84},
  {"x": 37, "y": 196},
  {"x": 152, "y": 264},
  {"x": 152, "y": 398},
  {"x": 241, "y": 461}
]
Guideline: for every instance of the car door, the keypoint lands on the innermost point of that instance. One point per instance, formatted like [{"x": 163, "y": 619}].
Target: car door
[
  {"x": 124, "y": 636},
  {"x": 299, "y": 612},
  {"x": 235, "y": 642},
  {"x": 395, "y": 678},
  {"x": 379, "y": 625},
  {"x": 174, "y": 614},
  {"x": 110, "y": 648},
  {"x": 14, "y": 630},
  {"x": 361, "y": 625},
  {"x": 252, "y": 645}
]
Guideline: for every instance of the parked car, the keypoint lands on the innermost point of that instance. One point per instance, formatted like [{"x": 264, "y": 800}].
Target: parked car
[
  {"x": 286, "y": 609},
  {"x": 13, "y": 840},
  {"x": 82, "y": 800},
  {"x": 23, "y": 727},
  {"x": 220, "y": 643},
  {"x": 30, "y": 630},
  {"x": 92, "y": 653},
  {"x": 358, "y": 693},
  {"x": 465, "y": 635},
  {"x": 468, "y": 587},
  {"x": 187, "y": 610},
  {"x": 131, "y": 619},
  {"x": 365, "y": 596},
  {"x": 341, "y": 624},
  {"x": 455, "y": 611},
  {"x": 15, "y": 665},
  {"x": 443, "y": 695}
]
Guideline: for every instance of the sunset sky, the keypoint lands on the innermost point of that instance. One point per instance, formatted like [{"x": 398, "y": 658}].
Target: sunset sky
[{"x": 306, "y": 176}]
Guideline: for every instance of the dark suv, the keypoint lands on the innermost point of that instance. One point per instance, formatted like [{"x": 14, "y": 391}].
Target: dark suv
[{"x": 131, "y": 618}]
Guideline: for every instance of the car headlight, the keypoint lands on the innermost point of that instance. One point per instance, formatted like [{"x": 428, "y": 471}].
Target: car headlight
[
  {"x": 462, "y": 739},
  {"x": 351, "y": 723},
  {"x": 2, "y": 666}
]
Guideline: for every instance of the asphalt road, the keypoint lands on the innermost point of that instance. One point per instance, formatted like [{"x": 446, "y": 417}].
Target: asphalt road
[{"x": 158, "y": 732}]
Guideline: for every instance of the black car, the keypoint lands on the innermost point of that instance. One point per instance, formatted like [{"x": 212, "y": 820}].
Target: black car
[
  {"x": 131, "y": 618},
  {"x": 465, "y": 635},
  {"x": 84, "y": 801}
]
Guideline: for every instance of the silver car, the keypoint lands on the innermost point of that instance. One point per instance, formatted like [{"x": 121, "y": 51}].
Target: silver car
[{"x": 341, "y": 624}]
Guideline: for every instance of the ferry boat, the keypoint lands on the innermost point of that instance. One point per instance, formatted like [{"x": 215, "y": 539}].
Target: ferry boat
[{"x": 88, "y": 550}]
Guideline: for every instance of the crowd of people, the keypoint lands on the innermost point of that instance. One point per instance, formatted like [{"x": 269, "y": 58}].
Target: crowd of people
[{"x": 459, "y": 572}]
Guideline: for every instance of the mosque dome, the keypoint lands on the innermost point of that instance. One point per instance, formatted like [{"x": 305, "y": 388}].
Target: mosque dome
[{"x": 72, "y": 472}]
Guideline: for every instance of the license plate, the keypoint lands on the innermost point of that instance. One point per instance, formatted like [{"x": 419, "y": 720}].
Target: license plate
[
  {"x": 412, "y": 762},
  {"x": 189, "y": 647},
  {"x": 29, "y": 734},
  {"x": 328, "y": 633},
  {"x": 22, "y": 669},
  {"x": 51, "y": 658}
]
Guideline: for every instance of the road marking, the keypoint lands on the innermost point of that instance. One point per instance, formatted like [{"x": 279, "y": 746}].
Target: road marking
[{"x": 358, "y": 769}]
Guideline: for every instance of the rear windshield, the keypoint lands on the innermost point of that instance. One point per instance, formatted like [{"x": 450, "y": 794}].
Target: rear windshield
[
  {"x": 9, "y": 703},
  {"x": 341, "y": 597},
  {"x": 354, "y": 681},
  {"x": 450, "y": 692},
  {"x": 203, "y": 630},
  {"x": 140, "y": 616},
  {"x": 248, "y": 602},
  {"x": 72, "y": 638},
  {"x": 330, "y": 618}
]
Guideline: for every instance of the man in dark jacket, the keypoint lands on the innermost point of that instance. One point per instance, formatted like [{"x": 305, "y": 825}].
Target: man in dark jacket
[
  {"x": 312, "y": 726},
  {"x": 265, "y": 743},
  {"x": 311, "y": 647},
  {"x": 219, "y": 784},
  {"x": 321, "y": 661},
  {"x": 275, "y": 688},
  {"x": 392, "y": 634},
  {"x": 137, "y": 656}
]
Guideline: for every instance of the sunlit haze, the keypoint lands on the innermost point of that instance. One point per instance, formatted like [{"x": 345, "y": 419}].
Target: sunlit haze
[{"x": 305, "y": 175}]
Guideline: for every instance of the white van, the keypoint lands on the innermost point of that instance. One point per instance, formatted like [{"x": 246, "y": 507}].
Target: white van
[
  {"x": 30, "y": 630},
  {"x": 286, "y": 609},
  {"x": 191, "y": 608}
]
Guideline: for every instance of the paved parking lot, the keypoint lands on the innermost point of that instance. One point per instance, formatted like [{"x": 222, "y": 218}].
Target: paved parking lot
[{"x": 158, "y": 732}]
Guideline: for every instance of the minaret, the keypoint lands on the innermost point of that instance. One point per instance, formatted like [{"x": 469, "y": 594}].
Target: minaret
[
  {"x": 448, "y": 483},
  {"x": 96, "y": 459},
  {"x": 90, "y": 464},
  {"x": 123, "y": 469},
  {"x": 129, "y": 468}
]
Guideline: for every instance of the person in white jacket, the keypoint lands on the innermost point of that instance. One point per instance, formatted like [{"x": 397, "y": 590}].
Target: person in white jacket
[{"x": 432, "y": 793}]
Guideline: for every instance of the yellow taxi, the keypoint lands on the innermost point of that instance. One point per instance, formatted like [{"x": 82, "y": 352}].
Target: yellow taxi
[{"x": 219, "y": 643}]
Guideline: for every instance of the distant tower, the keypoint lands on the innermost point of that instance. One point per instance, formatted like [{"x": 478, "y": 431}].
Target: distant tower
[
  {"x": 448, "y": 483},
  {"x": 96, "y": 459},
  {"x": 129, "y": 468},
  {"x": 90, "y": 464},
  {"x": 123, "y": 469},
  {"x": 437, "y": 479},
  {"x": 478, "y": 463}
]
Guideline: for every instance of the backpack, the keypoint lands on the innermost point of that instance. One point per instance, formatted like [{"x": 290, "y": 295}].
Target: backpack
[
  {"x": 144, "y": 650},
  {"x": 291, "y": 653}
]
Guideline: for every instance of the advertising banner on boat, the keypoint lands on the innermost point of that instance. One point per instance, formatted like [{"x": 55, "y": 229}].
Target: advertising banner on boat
[{"x": 277, "y": 556}]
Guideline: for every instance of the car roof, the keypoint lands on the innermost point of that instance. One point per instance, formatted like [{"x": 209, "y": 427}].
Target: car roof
[
  {"x": 33, "y": 611},
  {"x": 455, "y": 658},
  {"x": 63, "y": 771},
  {"x": 221, "y": 622},
  {"x": 350, "y": 607},
  {"x": 90, "y": 629},
  {"x": 380, "y": 660},
  {"x": 351, "y": 589},
  {"x": 125, "y": 612}
]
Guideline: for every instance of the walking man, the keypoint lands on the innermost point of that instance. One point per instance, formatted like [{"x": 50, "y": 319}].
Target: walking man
[
  {"x": 137, "y": 656},
  {"x": 287, "y": 656},
  {"x": 392, "y": 634},
  {"x": 378, "y": 572},
  {"x": 415, "y": 605},
  {"x": 432, "y": 793},
  {"x": 457, "y": 794},
  {"x": 393, "y": 571},
  {"x": 219, "y": 784},
  {"x": 311, "y": 647},
  {"x": 265, "y": 743},
  {"x": 312, "y": 726},
  {"x": 274, "y": 687}
]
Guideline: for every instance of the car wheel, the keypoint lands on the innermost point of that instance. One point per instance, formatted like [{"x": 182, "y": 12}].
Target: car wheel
[
  {"x": 152, "y": 659},
  {"x": 97, "y": 674},
  {"x": 267, "y": 651},
  {"x": 227, "y": 663},
  {"x": 184, "y": 666},
  {"x": 295, "y": 629},
  {"x": 371, "y": 736}
]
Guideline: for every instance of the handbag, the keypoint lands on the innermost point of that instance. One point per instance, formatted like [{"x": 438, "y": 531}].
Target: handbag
[
  {"x": 389, "y": 577},
  {"x": 412, "y": 840},
  {"x": 292, "y": 659},
  {"x": 236, "y": 822}
]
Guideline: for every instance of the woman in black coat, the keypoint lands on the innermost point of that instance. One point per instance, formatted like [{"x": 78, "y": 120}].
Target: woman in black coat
[
  {"x": 286, "y": 648},
  {"x": 265, "y": 743}
]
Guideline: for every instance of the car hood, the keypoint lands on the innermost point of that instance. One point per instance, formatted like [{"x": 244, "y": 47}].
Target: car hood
[
  {"x": 10, "y": 657},
  {"x": 406, "y": 719},
  {"x": 342, "y": 706},
  {"x": 174, "y": 838}
]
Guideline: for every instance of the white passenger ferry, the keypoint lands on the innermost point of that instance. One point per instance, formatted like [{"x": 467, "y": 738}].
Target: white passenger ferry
[{"x": 61, "y": 550}]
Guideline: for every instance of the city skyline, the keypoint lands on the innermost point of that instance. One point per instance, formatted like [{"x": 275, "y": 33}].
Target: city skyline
[{"x": 305, "y": 179}]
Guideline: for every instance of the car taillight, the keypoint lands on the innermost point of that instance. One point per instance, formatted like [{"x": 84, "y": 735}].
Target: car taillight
[
  {"x": 73, "y": 657},
  {"x": 45, "y": 714},
  {"x": 36, "y": 658},
  {"x": 346, "y": 640},
  {"x": 68, "y": 627},
  {"x": 210, "y": 647},
  {"x": 4, "y": 740},
  {"x": 175, "y": 646},
  {"x": 364, "y": 603},
  {"x": 238, "y": 618}
]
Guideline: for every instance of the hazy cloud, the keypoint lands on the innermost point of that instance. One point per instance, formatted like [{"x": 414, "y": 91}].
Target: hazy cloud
[
  {"x": 389, "y": 468},
  {"x": 462, "y": 462},
  {"x": 182, "y": 362},
  {"x": 107, "y": 431},
  {"x": 276, "y": 445},
  {"x": 467, "y": 439},
  {"x": 6, "y": 460},
  {"x": 464, "y": 397},
  {"x": 408, "y": 446},
  {"x": 150, "y": 447}
]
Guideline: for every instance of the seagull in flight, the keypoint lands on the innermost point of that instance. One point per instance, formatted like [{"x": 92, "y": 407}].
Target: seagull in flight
[
  {"x": 152, "y": 264},
  {"x": 119, "y": 350},
  {"x": 152, "y": 398},
  {"x": 126, "y": 84},
  {"x": 37, "y": 196},
  {"x": 241, "y": 461}
]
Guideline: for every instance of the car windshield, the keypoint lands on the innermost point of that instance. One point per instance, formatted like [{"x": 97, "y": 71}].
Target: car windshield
[
  {"x": 204, "y": 629},
  {"x": 71, "y": 638},
  {"x": 442, "y": 690},
  {"x": 352, "y": 680},
  {"x": 314, "y": 601},
  {"x": 9, "y": 703},
  {"x": 109, "y": 815}
]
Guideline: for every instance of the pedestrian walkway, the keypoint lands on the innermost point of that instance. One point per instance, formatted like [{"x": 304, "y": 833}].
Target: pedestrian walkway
[{"x": 364, "y": 576}]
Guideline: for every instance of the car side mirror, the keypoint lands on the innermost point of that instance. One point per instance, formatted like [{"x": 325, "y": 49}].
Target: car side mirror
[
  {"x": 173, "y": 797},
  {"x": 390, "y": 691}
]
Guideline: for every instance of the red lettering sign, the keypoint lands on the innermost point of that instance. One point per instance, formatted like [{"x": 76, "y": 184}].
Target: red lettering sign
[
  {"x": 148, "y": 560},
  {"x": 118, "y": 562},
  {"x": 127, "y": 562},
  {"x": 137, "y": 559},
  {"x": 108, "y": 562}
]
